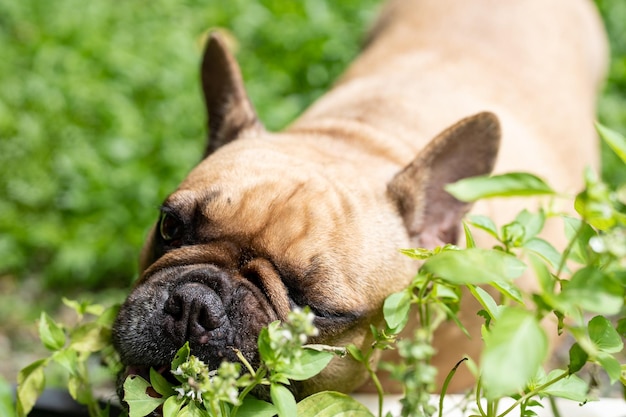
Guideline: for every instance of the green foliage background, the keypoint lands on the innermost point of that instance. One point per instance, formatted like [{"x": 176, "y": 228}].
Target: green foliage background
[{"x": 101, "y": 115}]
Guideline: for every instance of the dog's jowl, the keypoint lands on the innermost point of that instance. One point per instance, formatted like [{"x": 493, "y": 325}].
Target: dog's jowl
[{"x": 314, "y": 215}]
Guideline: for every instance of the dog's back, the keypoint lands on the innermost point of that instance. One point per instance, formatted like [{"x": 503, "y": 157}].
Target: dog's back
[
  {"x": 536, "y": 64},
  {"x": 428, "y": 63}
]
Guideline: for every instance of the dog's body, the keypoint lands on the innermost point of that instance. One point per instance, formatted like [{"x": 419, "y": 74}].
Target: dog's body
[{"x": 315, "y": 215}]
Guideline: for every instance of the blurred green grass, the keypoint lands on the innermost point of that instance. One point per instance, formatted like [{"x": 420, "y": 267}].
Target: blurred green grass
[
  {"x": 101, "y": 115},
  {"x": 612, "y": 103}
]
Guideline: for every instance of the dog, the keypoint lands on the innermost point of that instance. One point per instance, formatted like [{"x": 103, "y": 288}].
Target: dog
[{"x": 315, "y": 215}]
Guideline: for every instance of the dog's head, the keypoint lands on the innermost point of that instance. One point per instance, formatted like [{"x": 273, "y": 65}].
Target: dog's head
[{"x": 265, "y": 224}]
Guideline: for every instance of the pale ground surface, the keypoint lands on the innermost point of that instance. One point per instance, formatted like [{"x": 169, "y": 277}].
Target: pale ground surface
[{"x": 606, "y": 407}]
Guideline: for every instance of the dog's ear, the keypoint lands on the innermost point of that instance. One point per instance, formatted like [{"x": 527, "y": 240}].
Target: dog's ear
[
  {"x": 229, "y": 109},
  {"x": 431, "y": 215}
]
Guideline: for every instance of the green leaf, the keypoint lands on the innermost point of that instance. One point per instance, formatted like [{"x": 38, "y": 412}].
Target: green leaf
[
  {"x": 90, "y": 337},
  {"x": 7, "y": 408},
  {"x": 51, "y": 333},
  {"x": 30, "y": 385},
  {"x": 84, "y": 307},
  {"x": 515, "y": 184},
  {"x": 509, "y": 289},
  {"x": 446, "y": 292},
  {"x": 544, "y": 277},
  {"x": 95, "y": 309},
  {"x": 469, "y": 239},
  {"x": 484, "y": 223},
  {"x": 191, "y": 410},
  {"x": 621, "y": 327},
  {"x": 514, "y": 350},
  {"x": 79, "y": 389},
  {"x": 532, "y": 222},
  {"x": 534, "y": 403},
  {"x": 580, "y": 232},
  {"x": 615, "y": 140},
  {"x": 597, "y": 212},
  {"x": 577, "y": 358},
  {"x": 283, "y": 400},
  {"x": 418, "y": 253},
  {"x": 592, "y": 290},
  {"x": 572, "y": 387},
  {"x": 266, "y": 352},
  {"x": 252, "y": 407},
  {"x": 68, "y": 359},
  {"x": 310, "y": 363},
  {"x": 331, "y": 404},
  {"x": 136, "y": 395},
  {"x": 453, "y": 315},
  {"x": 182, "y": 356},
  {"x": 396, "y": 310},
  {"x": 513, "y": 234},
  {"x": 610, "y": 365},
  {"x": 108, "y": 316},
  {"x": 474, "y": 266},
  {"x": 486, "y": 300},
  {"x": 172, "y": 406},
  {"x": 604, "y": 336},
  {"x": 355, "y": 352},
  {"x": 160, "y": 384},
  {"x": 79, "y": 308},
  {"x": 545, "y": 250}
]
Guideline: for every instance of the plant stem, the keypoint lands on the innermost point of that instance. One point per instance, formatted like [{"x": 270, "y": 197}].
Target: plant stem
[
  {"x": 493, "y": 409},
  {"x": 534, "y": 392},
  {"x": 555, "y": 409},
  {"x": 478, "y": 404},
  {"x": 258, "y": 379},
  {"x": 245, "y": 362},
  {"x": 214, "y": 408},
  {"x": 376, "y": 381},
  {"x": 444, "y": 388},
  {"x": 568, "y": 249},
  {"x": 423, "y": 306},
  {"x": 223, "y": 409},
  {"x": 92, "y": 405}
]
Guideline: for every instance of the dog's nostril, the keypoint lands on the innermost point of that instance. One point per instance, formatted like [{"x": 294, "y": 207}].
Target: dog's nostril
[
  {"x": 174, "y": 307},
  {"x": 195, "y": 308},
  {"x": 208, "y": 320}
]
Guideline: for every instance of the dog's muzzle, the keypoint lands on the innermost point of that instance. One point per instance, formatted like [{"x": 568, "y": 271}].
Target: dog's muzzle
[{"x": 216, "y": 311}]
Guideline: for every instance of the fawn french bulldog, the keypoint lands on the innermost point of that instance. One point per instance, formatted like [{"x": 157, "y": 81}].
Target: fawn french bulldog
[{"x": 314, "y": 215}]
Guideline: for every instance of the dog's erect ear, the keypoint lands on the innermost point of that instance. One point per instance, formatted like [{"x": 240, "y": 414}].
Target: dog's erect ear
[
  {"x": 431, "y": 215},
  {"x": 229, "y": 109}
]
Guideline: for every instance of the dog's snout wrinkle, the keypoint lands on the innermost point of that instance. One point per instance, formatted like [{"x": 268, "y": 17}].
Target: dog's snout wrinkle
[
  {"x": 194, "y": 310},
  {"x": 265, "y": 276}
]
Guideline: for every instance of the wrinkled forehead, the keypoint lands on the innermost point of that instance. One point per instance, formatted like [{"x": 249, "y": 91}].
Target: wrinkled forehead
[{"x": 261, "y": 199}]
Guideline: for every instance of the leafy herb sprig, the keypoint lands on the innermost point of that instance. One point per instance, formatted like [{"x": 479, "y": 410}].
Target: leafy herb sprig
[{"x": 582, "y": 288}]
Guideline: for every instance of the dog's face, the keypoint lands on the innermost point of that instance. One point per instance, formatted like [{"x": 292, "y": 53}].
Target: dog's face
[
  {"x": 248, "y": 236},
  {"x": 262, "y": 225}
]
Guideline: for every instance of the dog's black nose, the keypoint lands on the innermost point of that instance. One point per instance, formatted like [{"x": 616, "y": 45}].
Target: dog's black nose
[{"x": 196, "y": 310}]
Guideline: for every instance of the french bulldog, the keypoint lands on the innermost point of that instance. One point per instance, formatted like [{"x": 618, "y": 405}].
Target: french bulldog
[{"x": 315, "y": 215}]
